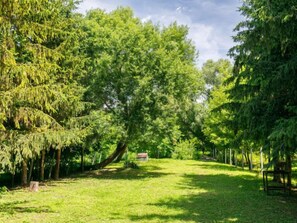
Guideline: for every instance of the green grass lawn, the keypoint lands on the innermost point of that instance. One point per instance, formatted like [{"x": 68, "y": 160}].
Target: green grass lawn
[{"x": 160, "y": 191}]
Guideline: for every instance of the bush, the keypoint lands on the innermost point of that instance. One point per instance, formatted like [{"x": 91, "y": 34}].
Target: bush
[
  {"x": 185, "y": 150},
  {"x": 3, "y": 189}
]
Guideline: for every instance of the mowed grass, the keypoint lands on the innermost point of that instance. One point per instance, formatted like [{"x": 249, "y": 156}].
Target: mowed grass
[{"x": 160, "y": 191}]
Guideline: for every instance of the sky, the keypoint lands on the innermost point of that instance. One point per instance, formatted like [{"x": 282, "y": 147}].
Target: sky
[{"x": 210, "y": 22}]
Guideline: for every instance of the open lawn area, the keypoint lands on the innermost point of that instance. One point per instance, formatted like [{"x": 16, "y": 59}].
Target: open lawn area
[{"x": 160, "y": 191}]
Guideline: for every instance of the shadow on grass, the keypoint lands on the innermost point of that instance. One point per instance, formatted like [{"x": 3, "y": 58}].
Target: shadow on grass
[
  {"x": 216, "y": 166},
  {"x": 22, "y": 207},
  {"x": 119, "y": 173},
  {"x": 223, "y": 198}
]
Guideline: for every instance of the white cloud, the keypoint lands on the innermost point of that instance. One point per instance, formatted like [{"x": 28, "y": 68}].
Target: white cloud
[
  {"x": 203, "y": 37},
  {"x": 209, "y": 22},
  {"x": 209, "y": 41},
  {"x": 93, "y": 4}
]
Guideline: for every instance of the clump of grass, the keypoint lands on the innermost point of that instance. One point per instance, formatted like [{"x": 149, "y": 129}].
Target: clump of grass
[{"x": 3, "y": 189}]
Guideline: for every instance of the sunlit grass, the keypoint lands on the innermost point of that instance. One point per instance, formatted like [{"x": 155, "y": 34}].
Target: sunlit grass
[{"x": 160, "y": 191}]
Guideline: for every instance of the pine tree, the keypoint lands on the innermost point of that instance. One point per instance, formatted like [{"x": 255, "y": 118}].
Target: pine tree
[{"x": 34, "y": 80}]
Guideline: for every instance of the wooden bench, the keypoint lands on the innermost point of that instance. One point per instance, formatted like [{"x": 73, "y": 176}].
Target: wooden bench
[
  {"x": 142, "y": 156},
  {"x": 269, "y": 185}
]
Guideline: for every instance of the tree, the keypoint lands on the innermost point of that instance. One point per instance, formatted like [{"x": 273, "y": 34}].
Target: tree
[
  {"x": 218, "y": 125},
  {"x": 139, "y": 72},
  {"x": 34, "y": 84},
  {"x": 214, "y": 73},
  {"x": 265, "y": 72}
]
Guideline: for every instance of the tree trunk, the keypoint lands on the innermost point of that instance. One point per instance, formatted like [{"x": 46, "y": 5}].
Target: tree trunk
[
  {"x": 276, "y": 167},
  {"x": 31, "y": 169},
  {"x": 230, "y": 156},
  {"x": 289, "y": 169},
  {"x": 42, "y": 165},
  {"x": 261, "y": 159},
  {"x": 120, "y": 147},
  {"x": 13, "y": 174},
  {"x": 247, "y": 157},
  {"x": 82, "y": 165},
  {"x": 120, "y": 156},
  {"x": 251, "y": 161},
  {"x": 242, "y": 158},
  {"x": 51, "y": 166},
  {"x": 24, "y": 173},
  {"x": 214, "y": 153},
  {"x": 12, "y": 179},
  {"x": 37, "y": 167},
  {"x": 57, "y": 167},
  {"x": 225, "y": 156}
]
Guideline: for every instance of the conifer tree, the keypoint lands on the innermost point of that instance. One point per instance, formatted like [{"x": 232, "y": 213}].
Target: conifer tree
[
  {"x": 34, "y": 81},
  {"x": 265, "y": 73}
]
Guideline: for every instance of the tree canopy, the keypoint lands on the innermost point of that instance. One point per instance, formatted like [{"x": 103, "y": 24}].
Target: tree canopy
[
  {"x": 140, "y": 73},
  {"x": 73, "y": 85},
  {"x": 265, "y": 70}
]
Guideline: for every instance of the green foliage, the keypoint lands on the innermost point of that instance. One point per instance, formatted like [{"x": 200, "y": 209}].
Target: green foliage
[
  {"x": 39, "y": 71},
  {"x": 3, "y": 189},
  {"x": 214, "y": 73},
  {"x": 265, "y": 72},
  {"x": 217, "y": 124},
  {"x": 185, "y": 150},
  {"x": 141, "y": 74},
  {"x": 86, "y": 83}
]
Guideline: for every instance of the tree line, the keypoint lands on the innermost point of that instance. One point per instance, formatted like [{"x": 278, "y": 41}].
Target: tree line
[
  {"x": 89, "y": 87},
  {"x": 255, "y": 108}
]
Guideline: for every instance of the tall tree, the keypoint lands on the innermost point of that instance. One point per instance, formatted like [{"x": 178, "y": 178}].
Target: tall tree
[
  {"x": 33, "y": 83},
  {"x": 139, "y": 72},
  {"x": 218, "y": 123},
  {"x": 214, "y": 73},
  {"x": 265, "y": 72}
]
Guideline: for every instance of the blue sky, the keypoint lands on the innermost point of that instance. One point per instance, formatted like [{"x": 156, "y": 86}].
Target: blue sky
[{"x": 210, "y": 22}]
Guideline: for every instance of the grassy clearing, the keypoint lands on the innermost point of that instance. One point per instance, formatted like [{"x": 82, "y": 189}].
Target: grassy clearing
[{"x": 160, "y": 191}]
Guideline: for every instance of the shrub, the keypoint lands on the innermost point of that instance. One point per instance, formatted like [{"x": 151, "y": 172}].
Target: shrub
[
  {"x": 185, "y": 150},
  {"x": 3, "y": 189}
]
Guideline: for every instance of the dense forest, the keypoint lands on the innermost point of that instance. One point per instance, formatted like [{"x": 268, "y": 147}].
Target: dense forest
[{"x": 80, "y": 91}]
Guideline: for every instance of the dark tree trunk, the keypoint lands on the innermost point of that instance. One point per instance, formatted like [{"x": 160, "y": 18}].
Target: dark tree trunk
[
  {"x": 242, "y": 158},
  {"x": 42, "y": 165},
  {"x": 120, "y": 156},
  {"x": 82, "y": 166},
  {"x": 120, "y": 148},
  {"x": 37, "y": 167},
  {"x": 251, "y": 159},
  {"x": 57, "y": 167},
  {"x": 31, "y": 169},
  {"x": 289, "y": 169},
  {"x": 24, "y": 173},
  {"x": 12, "y": 179},
  {"x": 247, "y": 157},
  {"x": 276, "y": 167},
  {"x": 51, "y": 166}
]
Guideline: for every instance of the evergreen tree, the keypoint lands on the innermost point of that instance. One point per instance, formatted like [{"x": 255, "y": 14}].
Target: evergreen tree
[
  {"x": 265, "y": 72},
  {"x": 34, "y": 81}
]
